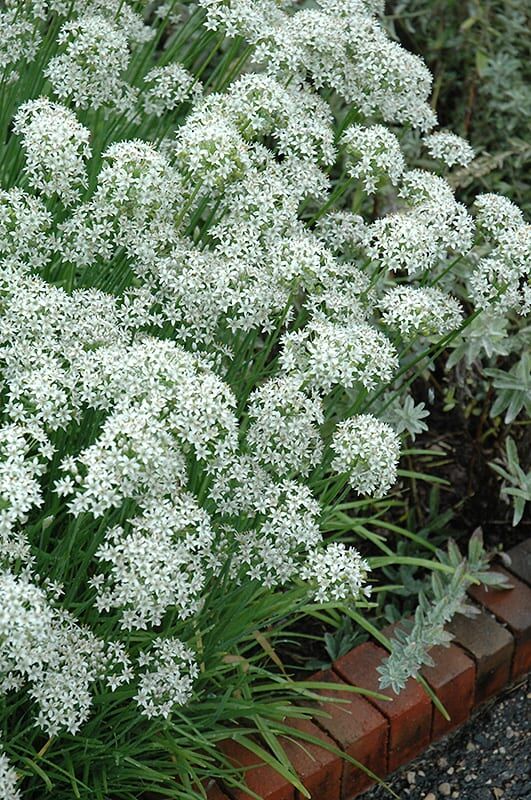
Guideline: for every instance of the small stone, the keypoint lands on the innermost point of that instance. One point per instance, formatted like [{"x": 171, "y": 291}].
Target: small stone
[
  {"x": 442, "y": 762},
  {"x": 497, "y": 792},
  {"x": 411, "y": 778},
  {"x": 450, "y": 771},
  {"x": 455, "y": 794},
  {"x": 470, "y": 746},
  {"x": 445, "y": 789},
  {"x": 430, "y": 796}
]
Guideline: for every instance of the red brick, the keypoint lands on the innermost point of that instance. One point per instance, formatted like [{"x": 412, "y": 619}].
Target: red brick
[
  {"x": 409, "y": 713},
  {"x": 490, "y": 645},
  {"x": 521, "y": 561},
  {"x": 359, "y": 730},
  {"x": 215, "y": 793},
  {"x": 453, "y": 679},
  {"x": 318, "y": 768},
  {"x": 513, "y": 607},
  {"x": 259, "y": 777}
]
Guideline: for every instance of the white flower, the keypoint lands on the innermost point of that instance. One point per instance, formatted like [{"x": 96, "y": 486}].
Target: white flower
[
  {"x": 212, "y": 151},
  {"x": 89, "y": 71},
  {"x": 158, "y": 563},
  {"x": 342, "y": 46},
  {"x": 19, "y": 39},
  {"x": 420, "y": 310},
  {"x": 341, "y": 230},
  {"x": 368, "y": 451},
  {"x": 45, "y": 647},
  {"x": 373, "y": 153},
  {"x": 168, "y": 87},
  {"x": 284, "y": 428},
  {"x": 20, "y": 490},
  {"x": 56, "y": 147},
  {"x": 25, "y": 236},
  {"x": 338, "y": 574},
  {"x": 167, "y": 681},
  {"x": 327, "y": 353},
  {"x": 8, "y": 779},
  {"x": 297, "y": 120},
  {"x": 449, "y": 147},
  {"x": 496, "y": 214}
]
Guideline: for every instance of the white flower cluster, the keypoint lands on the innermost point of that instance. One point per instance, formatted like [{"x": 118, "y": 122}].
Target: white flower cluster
[
  {"x": 189, "y": 413},
  {"x": 25, "y": 231},
  {"x": 159, "y": 563},
  {"x": 337, "y": 573},
  {"x": 168, "y": 87},
  {"x": 56, "y": 146},
  {"x": 8, "y": 779},
  {"x": 449, "y": 148},
  {"x": 19, "y": 489},
  {"x": 19, "y": 40},
  {"x": 43, "y": 646},
  {"x": 284, "y": 429},
  {"x": 329, "y": 354},
  {"x": 419, "y": 237},
  {"x": 424, "y": 311},
  {"x": 503, "y": 276},
  {"x": 338, "y": 44},
  {"x": 168, "y": 677},
  {"x": 89, "y": 73},
  {"x": 367, "y": 450},
  {"x": 373, "y": 153},
  {"x": 341, "y": 231}
]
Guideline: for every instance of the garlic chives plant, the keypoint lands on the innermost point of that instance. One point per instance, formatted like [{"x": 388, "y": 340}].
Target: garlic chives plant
[{"x": 197, "y": 320}]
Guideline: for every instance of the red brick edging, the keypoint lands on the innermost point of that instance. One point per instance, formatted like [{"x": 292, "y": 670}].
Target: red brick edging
[{"x": 487, "y": 653}]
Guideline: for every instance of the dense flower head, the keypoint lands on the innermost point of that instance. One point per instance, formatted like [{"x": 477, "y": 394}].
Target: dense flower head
[
  {"x": 502, "y": 276},
  {"x": 19, "y": 39},
  {"x": 421, "y": 234},
  {"x": 326, "y": 354},
  {"x": 8, "y": 779},
  {"x": 420, "y": 310},
  {"x": 284, "y": 428},
  {"x": 168, "y": 87},
  {"x": 373, "y": 152},
  {"x": 89, "y": 71},
  {"x": 25, "y": 231},
  {"x": 44, "y": 646},
  {"x": 212, "y": 151},
  {"x": 449, "y": 148},
  {"x": 56, "y": 146},
  {"x": 495, "y": 214},
  {"x": 298, "y": 121},
  {"x": 157, "y": 564},
  {"x": 337, "y": 573},
  {"x": 20, "y": 490},
  {"x": 367, "y": 450},
  {"x": 341, "y": 231},
  {"x": 342, "y": 46},
  {"x": 169, "y": 670}
]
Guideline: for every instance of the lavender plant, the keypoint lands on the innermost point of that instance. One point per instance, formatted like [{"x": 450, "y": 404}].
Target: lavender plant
[{"x": 203, "y": 325}]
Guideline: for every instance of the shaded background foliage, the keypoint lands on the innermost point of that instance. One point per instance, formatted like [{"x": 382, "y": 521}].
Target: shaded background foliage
[{"x": 480, "y": 55}]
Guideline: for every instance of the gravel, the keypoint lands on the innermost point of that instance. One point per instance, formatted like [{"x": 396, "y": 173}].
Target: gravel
[{"x": 489, "y": 758}]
